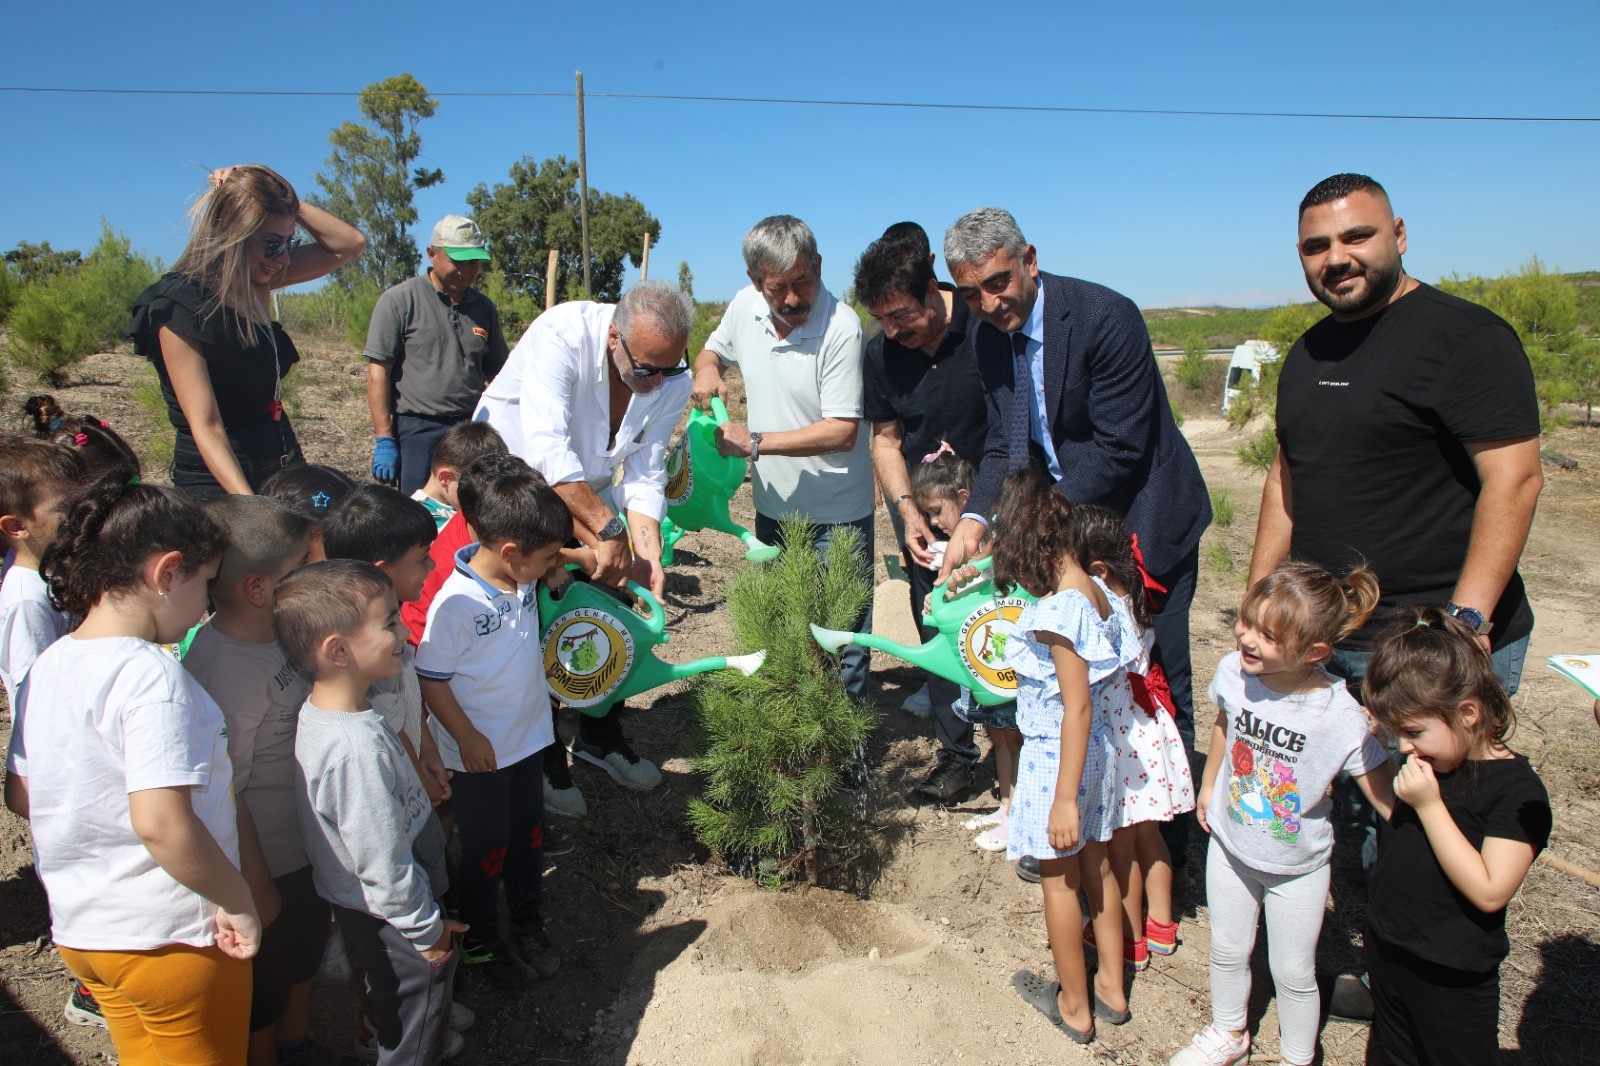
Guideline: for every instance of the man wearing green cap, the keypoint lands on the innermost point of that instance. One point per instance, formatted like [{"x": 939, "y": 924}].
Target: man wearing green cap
[{"x": 433, "y": 345}]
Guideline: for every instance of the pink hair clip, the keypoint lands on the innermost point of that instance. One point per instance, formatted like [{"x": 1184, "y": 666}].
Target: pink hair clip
[
  {"x": 80, "y": 439},
  {"x": 943, "y": 449},
  {"x": 104, "y": 424}
]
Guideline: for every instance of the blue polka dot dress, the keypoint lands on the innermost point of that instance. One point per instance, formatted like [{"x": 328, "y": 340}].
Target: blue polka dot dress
[{"x": 1108, "y": 646}]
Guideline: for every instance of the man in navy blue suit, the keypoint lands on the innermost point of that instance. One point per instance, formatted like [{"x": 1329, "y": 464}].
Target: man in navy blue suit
[{"x": 1072, "y": 386}]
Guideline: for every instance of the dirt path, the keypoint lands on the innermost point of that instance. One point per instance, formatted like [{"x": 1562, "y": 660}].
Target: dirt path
[{"x": 668, "y": 960}]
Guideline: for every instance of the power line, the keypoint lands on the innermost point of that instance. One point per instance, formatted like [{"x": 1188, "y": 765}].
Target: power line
[{"x": 794, "y": 102}]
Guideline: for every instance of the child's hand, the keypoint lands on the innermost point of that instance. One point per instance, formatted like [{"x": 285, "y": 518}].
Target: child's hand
[
  {"x": 1202, "y": 805},
  {"x": 1064, "y": 826},
  {"x": 435, "y": 778},
  {"x": 238, "y": 934},
  {"x": 446, "y": 941},
  {"x": 1416, "y": 784},
  {"x": 477, "y": 754}
]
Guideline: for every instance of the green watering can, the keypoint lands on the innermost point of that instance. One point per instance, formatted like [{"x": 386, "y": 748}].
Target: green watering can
[
  {"x": 700, "y": 482},
  {"x": 597, "y": 649},
  {"x": 970, "y": 646}
]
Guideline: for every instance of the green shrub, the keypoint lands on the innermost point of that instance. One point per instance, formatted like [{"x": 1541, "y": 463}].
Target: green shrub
[
  {"x": 773, "y": 746},
  {"x": 1177, "y": 414},
  {"x": 1191, "y": 369},
  {"x": 517, "y": 310},
  {"x": 1223, "y": 511},
  {"x": 1243, "y": 407},
  {"x": 1219, "y": 559},
  {"x": 64, "y": 317},
  {"x": 1259, "y": 451},
  {"x": 9, "y": 290}
]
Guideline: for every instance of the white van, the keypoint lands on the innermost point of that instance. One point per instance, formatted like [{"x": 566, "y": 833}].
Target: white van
[{"x": 1244, "y": 368}]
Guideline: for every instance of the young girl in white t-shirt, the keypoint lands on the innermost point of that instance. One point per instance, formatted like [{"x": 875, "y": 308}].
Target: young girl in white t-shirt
[
  {"x": 120, "y": 761},
  {"x": 1285, "y": 729}
]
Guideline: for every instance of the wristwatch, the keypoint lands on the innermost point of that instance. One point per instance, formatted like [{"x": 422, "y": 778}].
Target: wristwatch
[
  {"x": 613, "y": 529},
  {"x": 755, "y": 446},
  {"x": 1470, "y": 617}
]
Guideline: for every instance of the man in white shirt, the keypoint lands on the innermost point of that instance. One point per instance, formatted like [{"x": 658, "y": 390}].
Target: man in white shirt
[
  {"x": 799, "y": 350},
  {"x": 591, "y": 387}
]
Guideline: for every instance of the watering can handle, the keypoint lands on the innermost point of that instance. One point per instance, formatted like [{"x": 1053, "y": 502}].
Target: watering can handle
[
  {"x": 658, "y": 617},
  {"x": 982, "y": 565},
  {"x": 719, "y": 410}
]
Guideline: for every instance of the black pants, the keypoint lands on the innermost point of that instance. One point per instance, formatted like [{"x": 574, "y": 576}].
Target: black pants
[
  {"x": 1426, "y": 1013},
  {"x": 291, "y": 948},
  {"x": 410, "y": 996},
  {"x": 418, "y": 436},
  {"x": 1171, "y": 625},
  {"x": 500, "y": 818},
  {"x": 953, "y": 734}
]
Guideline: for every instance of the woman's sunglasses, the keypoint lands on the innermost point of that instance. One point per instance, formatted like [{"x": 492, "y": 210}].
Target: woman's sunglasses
[
  {"x": 272, "y": 245},
  {"x": 641, "y": 371}
]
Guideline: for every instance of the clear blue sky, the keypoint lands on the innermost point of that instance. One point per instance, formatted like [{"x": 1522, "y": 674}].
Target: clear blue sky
[{"x": 1166, "y": 209}]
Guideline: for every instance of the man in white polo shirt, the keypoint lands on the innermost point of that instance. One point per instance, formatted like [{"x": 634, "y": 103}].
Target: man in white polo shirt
[
  {"x": 589, "y": 388},
  {"x": 799, "y": 350}
]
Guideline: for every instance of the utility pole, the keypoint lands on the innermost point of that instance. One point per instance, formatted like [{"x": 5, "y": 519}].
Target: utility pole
[
  {"x": 644, "y": 262},
  {"x": 583, "y": 189},
  {"x": 550, "y": 280}
]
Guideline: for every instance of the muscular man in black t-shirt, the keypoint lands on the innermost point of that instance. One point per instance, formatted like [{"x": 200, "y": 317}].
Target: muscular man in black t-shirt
[
  {"x": 1408, "y": 435},
  {"x": 920, "y": 388}
]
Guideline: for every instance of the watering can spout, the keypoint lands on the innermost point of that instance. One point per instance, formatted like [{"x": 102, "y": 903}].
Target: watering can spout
[{"x": 927, "y": 656}]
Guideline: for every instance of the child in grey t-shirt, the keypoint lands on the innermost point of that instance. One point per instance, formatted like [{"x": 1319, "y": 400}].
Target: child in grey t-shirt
[{"x": 1285, "y": 729}]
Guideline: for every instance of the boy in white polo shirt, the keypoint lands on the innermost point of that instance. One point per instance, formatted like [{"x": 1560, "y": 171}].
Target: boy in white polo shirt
[{"x": 482, "y": 675}]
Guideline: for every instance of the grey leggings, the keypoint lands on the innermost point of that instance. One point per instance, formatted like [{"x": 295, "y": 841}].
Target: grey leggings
[{"x": 1235, "y": 895}]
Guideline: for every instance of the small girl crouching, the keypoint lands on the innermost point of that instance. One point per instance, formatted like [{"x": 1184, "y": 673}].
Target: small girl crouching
[
  {"x": 1151, "y": 768},
  {"x": 1469, "y": 819},
  {"x": 940, "y": 485},
  {"x": 1285, "y": 729},
  {"x": 120, "y": 760},
  {"x": 1071, "y": 652}
]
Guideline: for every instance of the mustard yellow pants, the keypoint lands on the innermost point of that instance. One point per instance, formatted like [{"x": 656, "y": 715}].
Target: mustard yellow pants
[{"x": 174, "y": 1006}]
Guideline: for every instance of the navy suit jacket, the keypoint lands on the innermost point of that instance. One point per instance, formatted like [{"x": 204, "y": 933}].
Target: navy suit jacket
[{"x": 1113, "y": 431}]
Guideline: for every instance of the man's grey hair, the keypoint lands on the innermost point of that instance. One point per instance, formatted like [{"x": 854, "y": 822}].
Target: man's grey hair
[
  {"x": 979, "y": 234},
  {"x": 774, "y": 245},
  {"x": 666, "y": 306}
]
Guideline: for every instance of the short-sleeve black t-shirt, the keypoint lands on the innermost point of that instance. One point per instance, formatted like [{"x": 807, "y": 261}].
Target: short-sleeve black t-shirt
[
  {"x": 934, "y": 398},
  {"x": 1374, "y": 417},
  {"x": 1412, "y": 903},
  {"x": 242, "y": 373}
]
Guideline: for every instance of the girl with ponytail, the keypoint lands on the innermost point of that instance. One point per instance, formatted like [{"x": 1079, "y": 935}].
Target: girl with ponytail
[
  {"x": 120, "y": 760},
  {"x": 1285, "y": 729}
]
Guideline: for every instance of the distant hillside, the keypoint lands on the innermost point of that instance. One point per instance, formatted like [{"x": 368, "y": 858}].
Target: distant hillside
[{"x": 1224, "y": 327}]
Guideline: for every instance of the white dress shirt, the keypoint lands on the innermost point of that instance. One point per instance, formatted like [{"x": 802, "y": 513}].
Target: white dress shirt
[{"x": 552, "y": 404}]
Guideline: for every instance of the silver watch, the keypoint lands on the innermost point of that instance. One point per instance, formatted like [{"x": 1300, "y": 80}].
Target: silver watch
[
  {"x": 613, "y": 529},
  {"x": 755, "y": 446}
]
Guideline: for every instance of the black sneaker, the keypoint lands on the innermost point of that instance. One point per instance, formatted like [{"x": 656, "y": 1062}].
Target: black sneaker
[
  {"x": 1351, "y": 1000},
  {"x": 950, "y": 782},
  {"x": 494, "y": 960},
  {"x": 615, "y": 757},
  {"x": 556, "y": 769},
  {"x": 1028, "y": 869},
  {"x": 536, "y": 951}
]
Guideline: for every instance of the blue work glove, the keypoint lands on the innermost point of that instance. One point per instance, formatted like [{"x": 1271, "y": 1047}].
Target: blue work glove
[{"x": 386, "y": 460}]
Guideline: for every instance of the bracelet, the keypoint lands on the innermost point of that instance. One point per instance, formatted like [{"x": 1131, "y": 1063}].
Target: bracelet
[{"x": 902, "y": 498}]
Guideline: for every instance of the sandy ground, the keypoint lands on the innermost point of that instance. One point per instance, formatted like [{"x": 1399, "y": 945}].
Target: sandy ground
[{"x": 669, "y": 959}]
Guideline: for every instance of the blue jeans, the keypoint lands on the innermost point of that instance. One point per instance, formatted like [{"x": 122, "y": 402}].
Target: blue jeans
[{"x": 855, "y": 663}]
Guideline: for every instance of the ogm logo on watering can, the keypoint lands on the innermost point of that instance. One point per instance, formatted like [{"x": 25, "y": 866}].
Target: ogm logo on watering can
[
  {"x": 982, "y": 642},
  {"x": 587, "y": 655},
  {"x": 680, "y": 472}
]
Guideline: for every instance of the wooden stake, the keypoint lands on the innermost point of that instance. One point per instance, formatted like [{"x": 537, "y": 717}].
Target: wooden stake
[
  {"x": 583, "y": 189},
  {"x": 644, "y": 262},
  {"x": 550, "y": 280}
]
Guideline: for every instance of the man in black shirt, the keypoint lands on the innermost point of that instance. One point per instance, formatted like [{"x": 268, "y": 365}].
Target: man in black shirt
[
  {"x": 921, "y": 388},
  {"x": 1408, "y": 435}
]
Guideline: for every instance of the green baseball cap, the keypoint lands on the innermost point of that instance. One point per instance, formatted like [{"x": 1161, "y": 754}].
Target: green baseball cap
[{"x": 460, "y": 238}]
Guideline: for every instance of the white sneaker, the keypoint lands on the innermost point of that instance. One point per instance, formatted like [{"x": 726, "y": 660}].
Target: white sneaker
[
  {"x": 625, "y": 768},
  {"x": 991, "y": 839},
  {"x": 567, "y": 801},
  {"x": 918, "y": 703},
  {"x": 1213, "y": 1047},
  {"x": 984, "y": 820},
  {"x": 461, "y": 1017}
]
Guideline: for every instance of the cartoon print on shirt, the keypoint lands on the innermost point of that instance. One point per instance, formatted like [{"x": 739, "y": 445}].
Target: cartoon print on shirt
[{"x": 1262, "y": 790}]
